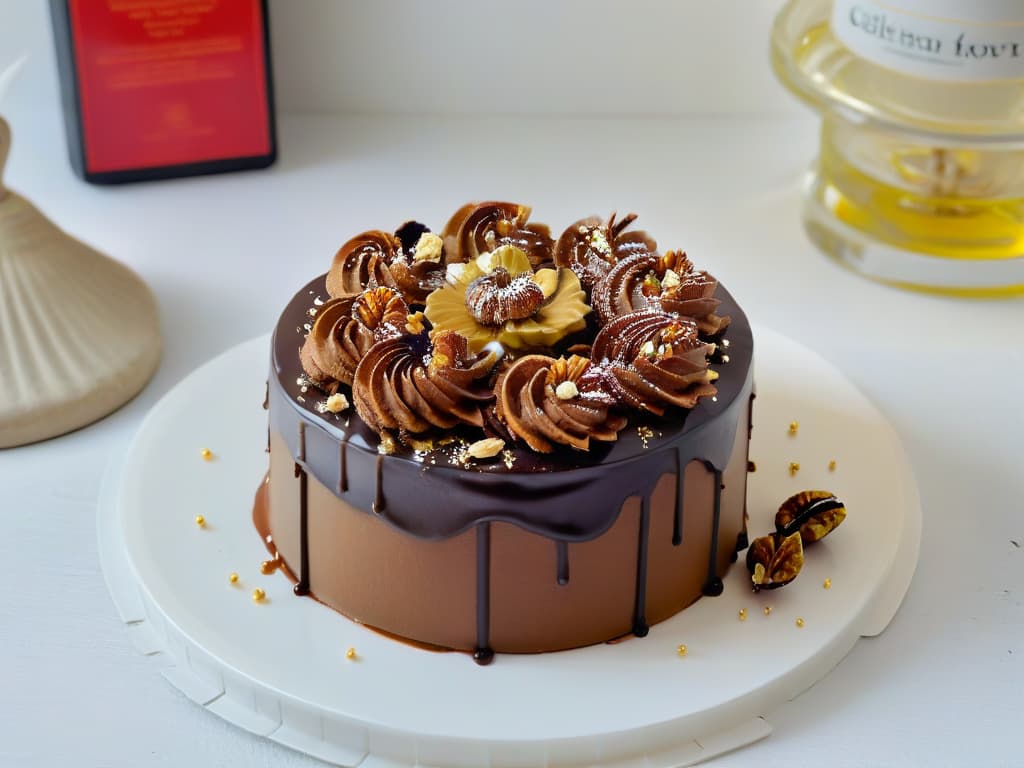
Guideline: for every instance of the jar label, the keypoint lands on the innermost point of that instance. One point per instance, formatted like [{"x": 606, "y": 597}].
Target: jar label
[{"x": 961, "y": 40}]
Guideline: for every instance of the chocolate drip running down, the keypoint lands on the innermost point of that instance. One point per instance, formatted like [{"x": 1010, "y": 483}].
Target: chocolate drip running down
[{"x": 567, "y": 496}]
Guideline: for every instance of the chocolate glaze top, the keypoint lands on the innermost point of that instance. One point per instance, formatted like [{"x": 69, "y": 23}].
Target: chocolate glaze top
[{"x": 569, "y": 495}]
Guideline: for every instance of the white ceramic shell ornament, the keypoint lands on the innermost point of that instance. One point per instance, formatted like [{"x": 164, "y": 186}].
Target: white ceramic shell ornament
[{"x": 79, "y": 333}]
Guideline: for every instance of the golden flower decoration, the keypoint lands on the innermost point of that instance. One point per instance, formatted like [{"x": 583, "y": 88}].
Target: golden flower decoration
[{"x": 498, "y": 297}]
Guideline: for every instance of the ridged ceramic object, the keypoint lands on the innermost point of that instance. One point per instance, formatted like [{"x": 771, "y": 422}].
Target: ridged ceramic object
[{"x": 79, "y": 333}]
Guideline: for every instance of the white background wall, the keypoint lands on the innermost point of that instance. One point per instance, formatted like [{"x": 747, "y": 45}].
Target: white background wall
[{"x": 654, "y": 57}]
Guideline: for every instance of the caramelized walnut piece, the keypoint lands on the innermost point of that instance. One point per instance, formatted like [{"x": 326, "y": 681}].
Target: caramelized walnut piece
[
  {"x": 591, "y": 247},
  {"x": 774, "y": 560},
  {"x": 379, "y": 259},
  {"x": 382, "y": 310},
  {"x": 652, "y": 360},
  {"x": 481, "y": 227},
  {"x": 529, "y": 406},
  {"x": 667, "y": 282},
  {"x": 813, "y": 514},
  {"x": 413, "y": 384}
]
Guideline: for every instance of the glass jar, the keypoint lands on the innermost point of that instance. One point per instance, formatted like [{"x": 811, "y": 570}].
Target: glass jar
[{"x": 920, "y": 177}]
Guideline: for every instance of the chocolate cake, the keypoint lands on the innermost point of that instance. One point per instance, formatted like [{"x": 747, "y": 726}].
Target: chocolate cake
[{"x": 490, "y": 440}]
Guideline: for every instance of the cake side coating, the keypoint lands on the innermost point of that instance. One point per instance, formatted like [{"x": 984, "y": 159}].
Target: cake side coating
[{"x": 540, "y": 552}]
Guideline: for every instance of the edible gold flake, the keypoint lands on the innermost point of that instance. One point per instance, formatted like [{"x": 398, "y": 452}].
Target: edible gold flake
[
  {"x": 509, "y": 458},
  {"x": 827, "y": 584},
  {"x": 832, "y": 466},
  {"x": 794, "y": 467},
  {"x": 387, "y": 445},
  {"x": 794, "y": 427},
  {"x": 645, "y": 434},
  {"x": 681, "y": 650},
  {"x": 743, "y": 614},
  {"x": 767, "y": 610}
]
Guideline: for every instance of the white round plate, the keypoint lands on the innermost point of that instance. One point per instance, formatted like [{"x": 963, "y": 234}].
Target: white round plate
[{"x": 279, "y": 668}]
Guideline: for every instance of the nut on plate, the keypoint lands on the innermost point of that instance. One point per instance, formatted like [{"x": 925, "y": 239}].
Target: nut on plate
[
  {"x": 774, "y": 560},
  {"x": 814, "y": 514}
]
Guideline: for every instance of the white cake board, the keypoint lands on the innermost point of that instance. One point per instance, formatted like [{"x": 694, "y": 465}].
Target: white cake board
[{"x": 279, "y": 668}]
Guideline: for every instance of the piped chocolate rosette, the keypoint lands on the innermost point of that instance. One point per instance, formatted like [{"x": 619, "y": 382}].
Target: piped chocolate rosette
[
  {"x": 667, "y": 282},
  {"x": 484, "y": 330}
]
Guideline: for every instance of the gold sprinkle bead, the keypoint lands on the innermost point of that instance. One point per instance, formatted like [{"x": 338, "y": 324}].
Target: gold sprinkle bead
[
  {"x": 681, "y": 650},
  {"x": 743, "y": 614},
  {"x": 832, "y": 466},
  {"x": 350, "y": 654},
  {"x": 207, "y": 454},
  {"x": 767, "y": 610},
  {"x": 794, "y": 427},
  {"x": 200, "y": 521},
  {"x": 800, "y": 623},
  {"x": 258, "y": 595},
  {"x": 233, "y": 577},
  {"x": 827, "y": 584},
  {"x": 794, "y": 467},
  {"x": 267, "y": 567}
]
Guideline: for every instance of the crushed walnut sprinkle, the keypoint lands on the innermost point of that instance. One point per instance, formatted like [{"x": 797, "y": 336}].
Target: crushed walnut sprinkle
[{"x": 336, "y": 403}]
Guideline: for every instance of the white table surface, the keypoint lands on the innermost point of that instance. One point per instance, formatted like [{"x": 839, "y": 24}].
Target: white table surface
[{"x": 942, "y": 686}]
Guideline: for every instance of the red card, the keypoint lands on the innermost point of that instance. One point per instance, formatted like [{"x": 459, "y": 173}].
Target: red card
[{"x": 170, "y": 82}]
